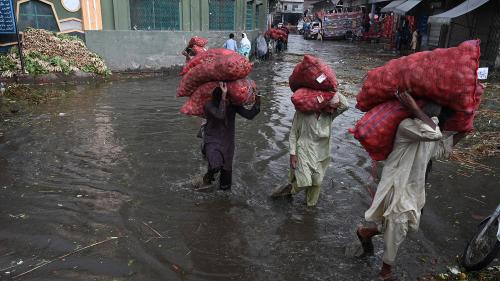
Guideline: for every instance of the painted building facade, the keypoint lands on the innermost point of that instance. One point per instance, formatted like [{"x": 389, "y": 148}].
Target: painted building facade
[
  {"x": 60, "y": 16},
  {"x": 143, "y": 34},
  {"x": 185, "y": 15}
]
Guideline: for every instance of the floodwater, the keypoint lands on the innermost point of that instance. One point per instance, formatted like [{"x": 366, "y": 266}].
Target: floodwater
[{"x": 116, "y": 159}]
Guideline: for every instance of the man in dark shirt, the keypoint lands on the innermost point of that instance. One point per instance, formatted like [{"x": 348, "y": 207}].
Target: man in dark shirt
[{"x": 218, "y": 142}]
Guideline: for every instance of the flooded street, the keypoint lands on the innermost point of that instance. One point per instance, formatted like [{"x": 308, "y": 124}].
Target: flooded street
[{"x": 115, "y": 159}]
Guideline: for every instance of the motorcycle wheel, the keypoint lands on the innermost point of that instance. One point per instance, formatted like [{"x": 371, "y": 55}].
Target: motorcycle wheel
[{"x": 480, "y": 251}]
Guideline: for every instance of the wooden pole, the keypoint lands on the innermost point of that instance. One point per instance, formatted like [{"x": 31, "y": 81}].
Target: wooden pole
[{"x": 19, "y": 43}]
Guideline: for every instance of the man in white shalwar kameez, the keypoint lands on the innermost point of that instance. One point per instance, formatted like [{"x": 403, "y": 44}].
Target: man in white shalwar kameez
[
  {"x": 400, "y": 195},
  {"x": 310, "y": 146}
]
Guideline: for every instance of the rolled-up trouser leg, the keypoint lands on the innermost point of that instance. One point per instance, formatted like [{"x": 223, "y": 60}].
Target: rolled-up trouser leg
[
  {"x": 209, "y": 177},
  {"x": 226, "y": 179},
  {"x": 394, "y": 235},
  {"x": 312, "y": 195}
]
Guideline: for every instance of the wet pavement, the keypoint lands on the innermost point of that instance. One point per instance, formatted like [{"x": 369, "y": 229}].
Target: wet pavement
[{"x": 116, "y": 159}]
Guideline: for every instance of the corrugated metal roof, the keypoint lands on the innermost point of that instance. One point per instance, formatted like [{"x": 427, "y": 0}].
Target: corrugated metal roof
[
  {"x": 406, "y": 7},
  {"x": 377, "y": 1},
  {"x": 459, "y": 10},
  {"x": 390, "y": 7}
]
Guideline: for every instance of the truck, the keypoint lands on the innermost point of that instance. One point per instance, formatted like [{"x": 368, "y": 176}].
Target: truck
[{"x": 342, "y": 25}]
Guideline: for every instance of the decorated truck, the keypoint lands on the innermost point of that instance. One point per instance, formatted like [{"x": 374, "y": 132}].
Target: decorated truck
[{"x": 342, "y": 25}]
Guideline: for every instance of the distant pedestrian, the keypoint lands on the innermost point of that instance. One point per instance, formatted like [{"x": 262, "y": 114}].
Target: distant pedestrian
[
  {"x": 231, "y": 44},
  {"x": 400, "y": 195},
  {"x": 280, "y": 45},
  {"x": 414, "y": 40},
  {"x": 261, "y": 44},
  {"x": 245, "y": 46},
  {"x": 320, "y": 36},
  {"x": 310, "y": 146},
  {"x": 405, "y": 37}
]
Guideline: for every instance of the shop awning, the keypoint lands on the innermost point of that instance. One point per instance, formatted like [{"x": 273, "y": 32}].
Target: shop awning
[
  {"x": 390, "y": 7},
  {"x": 406, "y": 7},
  {"x": 377, "y": 1},
  {"x": 356, "y": 3},
  {"x": 459, "y": 10}
]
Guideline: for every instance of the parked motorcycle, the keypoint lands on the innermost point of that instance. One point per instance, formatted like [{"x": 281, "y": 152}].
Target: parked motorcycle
[{"x": 485, "y": 244}]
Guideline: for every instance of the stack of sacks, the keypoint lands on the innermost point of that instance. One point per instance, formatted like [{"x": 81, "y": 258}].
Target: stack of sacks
[
  {"x": 447, "y": 77},
  {"x": 202, "y": 75},
  {"x": 207, "y": 56},
  {"x": 314, "y": 84},
  {"x": 277, "y": 34},
  {"x": 198, "y": 44}
]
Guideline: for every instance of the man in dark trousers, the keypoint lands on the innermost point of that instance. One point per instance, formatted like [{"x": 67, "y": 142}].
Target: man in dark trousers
[{"x": 218, "y": 142}]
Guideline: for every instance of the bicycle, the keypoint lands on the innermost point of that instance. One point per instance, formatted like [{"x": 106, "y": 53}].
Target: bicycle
[{"x": 484, "y": 245}]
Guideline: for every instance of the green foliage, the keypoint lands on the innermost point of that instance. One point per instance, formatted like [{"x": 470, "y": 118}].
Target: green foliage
[
  {"x": 64, "y": 36},
  {"x": 60, "y": 62},
  {"x": 6, "y": 63},
  {"x": 92, "y": 69},
  {"x": 15, "y": 51},
  {"x": 32, "y": 65}
]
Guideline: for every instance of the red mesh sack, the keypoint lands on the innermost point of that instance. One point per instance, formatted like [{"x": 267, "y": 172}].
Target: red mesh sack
[
  {"x": 277, "y": 34},
  {"x": 309, "y": 100},
  {"x": 377, "y": 128},
  {"x": 313, "y": 73},
  {"x": 463, "y": 121},
  {"x": 221, "y": 68},
  {"x": 198, "y": 41},
  {"x": 445, "y": 76},
  {"x": 195, "y": 105},
  {"x": 206, "y": 56},
  {"x": 198, "y": 50},
  {"x": 242, "y": 91}
]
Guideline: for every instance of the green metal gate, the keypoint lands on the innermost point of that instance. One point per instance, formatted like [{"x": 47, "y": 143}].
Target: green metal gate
[
  {"x": 249, "y": 16},
  {"x": 222, "y": 14},
  {"x": 155, "y": 14},
  {"x": 257, "y": 16}
]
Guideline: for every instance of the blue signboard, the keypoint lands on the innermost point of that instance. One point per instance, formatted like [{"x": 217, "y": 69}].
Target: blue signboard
[{"x": 7, "y": 20}]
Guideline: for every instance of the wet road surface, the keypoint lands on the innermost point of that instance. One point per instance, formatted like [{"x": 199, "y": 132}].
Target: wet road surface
[{"x": 116, "y": 159}]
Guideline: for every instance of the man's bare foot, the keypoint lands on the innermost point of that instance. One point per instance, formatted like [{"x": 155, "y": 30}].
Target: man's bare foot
[
  {"x": 386, "y": 273},
  {"x": 282, "y": 191},
  {"x": 366, "y": 242}
]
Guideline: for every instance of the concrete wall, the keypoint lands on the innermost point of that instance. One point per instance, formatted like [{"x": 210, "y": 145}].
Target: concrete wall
[{"x": 130, "y": 50}]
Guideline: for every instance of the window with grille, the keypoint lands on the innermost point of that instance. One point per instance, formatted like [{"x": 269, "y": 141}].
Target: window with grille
[
  {"x": 257, "y": 16},
  {"x": 249, "y": 16},
  {"x": 221, "y": 14},
  {"x": 155, "y": 14},
  {"x": 37, "y": 14}
]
